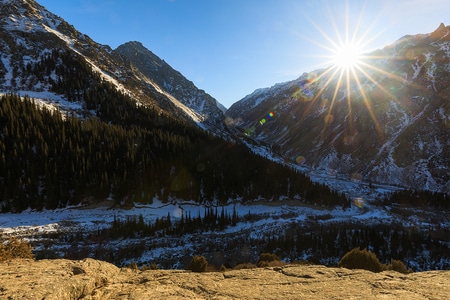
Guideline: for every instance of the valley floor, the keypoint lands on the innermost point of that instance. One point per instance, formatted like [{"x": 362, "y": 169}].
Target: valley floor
[{"x": 78, "y": 232}]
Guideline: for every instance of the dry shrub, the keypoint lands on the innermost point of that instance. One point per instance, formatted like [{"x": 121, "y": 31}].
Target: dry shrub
[
  {"x": 268, "y": 257},
  {"x": 245, "y": 266},
  {"x": 198, "y": 264},
  {"x": 133, "y": 266},
  {"x": 364, "y": 259},
  {"x": 15, "y": 248},
  {"x": 212, "y": 268},
  {"x": 276, "y": 263},
  {"x": 152, "y": 266},
  {"x": 268, "y": 260},
  {"x": 398, "y": 266},
  {"x": 361, "y": 259}
]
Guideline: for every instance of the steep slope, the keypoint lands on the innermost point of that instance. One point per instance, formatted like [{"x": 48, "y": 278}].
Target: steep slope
[
  {"x": 389, "y": 124},
  {"x": 29, "y": 35},
  {"x": 154, "y": 70}
]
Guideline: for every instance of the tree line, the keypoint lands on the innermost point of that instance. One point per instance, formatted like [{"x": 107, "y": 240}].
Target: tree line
[
  {"x": 135, "y": 226},
  {"x": 419, "y": 199},
  {"x": 315, "y": 241},
  {"x": 51, "y": 161},
  {"x": 420, "y": 249}
]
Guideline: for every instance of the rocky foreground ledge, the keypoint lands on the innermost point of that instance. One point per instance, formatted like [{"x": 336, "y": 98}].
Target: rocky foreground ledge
[{"x": 93, "y": 279}]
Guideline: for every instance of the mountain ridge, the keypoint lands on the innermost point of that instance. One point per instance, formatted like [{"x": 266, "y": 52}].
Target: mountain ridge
[
  {"x": 397, "y": 105},
  {"x": 26, "y": 25},
  {"x": 162, "y": 74}
]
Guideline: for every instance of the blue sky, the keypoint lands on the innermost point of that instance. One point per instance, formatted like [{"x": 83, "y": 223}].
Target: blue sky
[{"x": 229, "y": 48}]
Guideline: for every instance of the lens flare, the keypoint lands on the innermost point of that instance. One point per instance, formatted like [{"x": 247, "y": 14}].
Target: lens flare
[
  {"x": 201, "y": 167},
  {"x": 300, "y": 159},
  {"x": 269, "y": 116},
  {"x": 356, "y": 177},
  {"x": 359, "y": 202},
  {"x": 178, "y": 212},
  {"x": 250, "y": 131},
  {"x": 312, "y": 77},
  {"x": 324, "y": 103},
  {"x": 328, "y": 119}
]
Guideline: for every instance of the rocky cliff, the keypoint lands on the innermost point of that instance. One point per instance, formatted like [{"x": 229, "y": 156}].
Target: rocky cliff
[{"x": 93, "y": 279}]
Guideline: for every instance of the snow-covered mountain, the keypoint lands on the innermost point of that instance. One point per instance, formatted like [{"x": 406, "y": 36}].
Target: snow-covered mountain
[
  {"x": 390, "y": 123},
  {"x": 29, "y": 34},
  {"x": 149, "y": 66}
]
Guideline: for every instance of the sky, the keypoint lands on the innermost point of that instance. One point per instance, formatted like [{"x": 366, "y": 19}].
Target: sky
[{"x": 229, "y": 48}]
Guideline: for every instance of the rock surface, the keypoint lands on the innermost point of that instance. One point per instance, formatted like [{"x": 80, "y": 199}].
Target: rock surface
[{"x": 92, "y": 279}]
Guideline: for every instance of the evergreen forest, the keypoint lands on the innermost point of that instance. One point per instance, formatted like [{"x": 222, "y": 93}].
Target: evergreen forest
[
  {"x": 49, "y": 160},
  {"x": 313, "y": 240}
]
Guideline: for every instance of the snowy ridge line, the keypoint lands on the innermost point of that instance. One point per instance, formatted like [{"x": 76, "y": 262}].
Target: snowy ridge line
[
  {"x": 188, "y": 111},
  {"x": 95, "y": 68}
]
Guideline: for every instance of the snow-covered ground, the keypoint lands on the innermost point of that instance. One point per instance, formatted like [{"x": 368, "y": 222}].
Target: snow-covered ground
[
  {"x": 95, "y": 218},
  {"x": 271, "y": 218},
  {"x": 89, "y": 219}
]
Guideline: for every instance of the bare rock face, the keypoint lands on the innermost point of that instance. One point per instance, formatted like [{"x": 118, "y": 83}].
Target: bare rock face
[
  {"x": 441, "y": 33},
  {"x": 54, "y": 279},
  {"x": 92, "y": 279}
]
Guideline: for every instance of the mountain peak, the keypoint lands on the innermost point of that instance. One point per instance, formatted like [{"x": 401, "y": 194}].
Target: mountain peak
[
  {"x": 134, "y": 44},
  {"x": 170, "y": 80},
  {"x": 442, "y": 32},
  {"x": 136, "y": 48}
]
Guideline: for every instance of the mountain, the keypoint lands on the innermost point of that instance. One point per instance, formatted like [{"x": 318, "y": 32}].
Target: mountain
[
  {"x": 149, "y": 66},
  {"x": 120, "y": 129},
  {"x": 30, "y": 34},
  {"x": 388, "y": 124},
  {"x": 116, "y": 124},
  {"x": 390, "y": 127}
]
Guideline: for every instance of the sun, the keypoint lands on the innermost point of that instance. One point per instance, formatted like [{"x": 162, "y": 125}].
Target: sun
[
  {"x": 346, "y": 57},
  {"x": 349, "y": 65}
]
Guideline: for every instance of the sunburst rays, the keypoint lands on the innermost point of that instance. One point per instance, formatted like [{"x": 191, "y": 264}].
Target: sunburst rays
[
  {"x": 347, "y": 65},
  {"x": 347, "y": 73}
]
